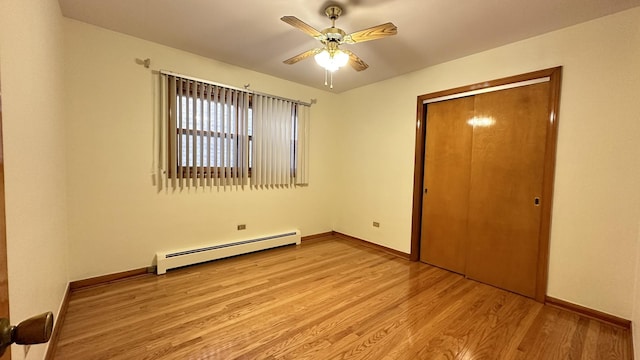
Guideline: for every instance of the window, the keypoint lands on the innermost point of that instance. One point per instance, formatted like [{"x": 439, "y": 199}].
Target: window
[
  {"x": 219, "y": 136},
  {"x": 209, "y": 137}
]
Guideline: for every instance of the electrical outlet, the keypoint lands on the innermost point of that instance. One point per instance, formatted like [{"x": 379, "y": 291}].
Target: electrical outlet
[
  {"x": 242, "y": 227},
  {"x": 376, "y": 224}
]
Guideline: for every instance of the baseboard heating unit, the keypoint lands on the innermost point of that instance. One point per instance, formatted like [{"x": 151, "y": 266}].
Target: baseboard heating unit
[{"x": 173, "y": 259}]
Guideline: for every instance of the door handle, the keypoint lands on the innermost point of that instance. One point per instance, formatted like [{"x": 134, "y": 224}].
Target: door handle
[{"x": 35, "y": 330}]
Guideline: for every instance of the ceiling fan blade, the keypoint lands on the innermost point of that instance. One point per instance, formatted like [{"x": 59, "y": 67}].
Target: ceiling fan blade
[
  {"x": 302, "y": 56},
  {"x": 372, "y": 33},
  {"x": 355, "y": 61},
  {"x": 299, "y": 24}
]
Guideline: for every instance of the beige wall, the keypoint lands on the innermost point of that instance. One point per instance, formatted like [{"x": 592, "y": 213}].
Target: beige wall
[
  {"x": 117, "y": 219},
  {"x": 34, "y": 150},
  {"x": 597, "y": 201}
]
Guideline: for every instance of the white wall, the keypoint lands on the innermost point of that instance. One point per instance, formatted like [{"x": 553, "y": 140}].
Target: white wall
[
  {"x": 35, "y": 164},
  {"x": 118, "y": 220},
  {"x": 597, "y": 199}
]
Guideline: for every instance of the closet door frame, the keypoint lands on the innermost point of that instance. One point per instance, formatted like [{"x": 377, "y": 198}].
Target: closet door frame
[{"x": 554, "y": 75}]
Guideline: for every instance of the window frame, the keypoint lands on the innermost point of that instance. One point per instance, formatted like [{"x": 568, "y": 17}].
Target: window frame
[{"x": 213, "y": 172}]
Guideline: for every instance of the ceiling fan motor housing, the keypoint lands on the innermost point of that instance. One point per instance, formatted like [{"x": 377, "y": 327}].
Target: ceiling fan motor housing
[{"x": 333, "y": 34}]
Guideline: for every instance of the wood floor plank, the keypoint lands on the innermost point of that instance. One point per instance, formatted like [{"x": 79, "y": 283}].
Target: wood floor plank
[
  {"x": 591, "y": 342},
  {"x": 611, "y": 344},
  {"x": 330, "y": 299}
]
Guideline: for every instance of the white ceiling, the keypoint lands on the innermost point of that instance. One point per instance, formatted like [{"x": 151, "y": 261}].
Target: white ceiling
[{"x": 249, "y": 33}]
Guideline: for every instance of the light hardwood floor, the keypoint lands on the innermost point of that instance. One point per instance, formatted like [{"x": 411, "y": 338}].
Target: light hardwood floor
[{"x": 327, "y": 299}]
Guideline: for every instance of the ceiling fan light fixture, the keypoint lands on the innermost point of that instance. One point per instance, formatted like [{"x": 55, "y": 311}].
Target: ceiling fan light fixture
[{"x": 331, "y": 62}]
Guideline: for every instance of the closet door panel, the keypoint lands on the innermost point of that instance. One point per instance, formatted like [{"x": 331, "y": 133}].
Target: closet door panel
[
  {"x": 446, "y": 178},
  {"x": 506, "y": 179}
]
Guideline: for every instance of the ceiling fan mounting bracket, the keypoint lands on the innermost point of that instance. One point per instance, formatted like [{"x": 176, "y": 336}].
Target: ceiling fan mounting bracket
[{"x": 333, "y": 12}]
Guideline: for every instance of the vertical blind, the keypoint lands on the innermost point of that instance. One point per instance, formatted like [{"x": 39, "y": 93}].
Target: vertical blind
[
  {"x": 222, "y": 137},
  {"x": 302, "y": 149}
]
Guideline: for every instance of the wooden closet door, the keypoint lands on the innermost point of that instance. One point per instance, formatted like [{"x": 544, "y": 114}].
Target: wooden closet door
[
  {"x": 507, "y": 166},
  {"x": 446, "y": 179}
]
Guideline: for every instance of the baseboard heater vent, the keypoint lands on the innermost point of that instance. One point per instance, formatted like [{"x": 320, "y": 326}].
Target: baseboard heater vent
[{"x": 178, "y": 258}]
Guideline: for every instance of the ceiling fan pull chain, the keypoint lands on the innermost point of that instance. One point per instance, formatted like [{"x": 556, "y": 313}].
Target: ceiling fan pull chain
[
  {"x": 331, "y": 75},
  {"x": 325, "y": 76}
]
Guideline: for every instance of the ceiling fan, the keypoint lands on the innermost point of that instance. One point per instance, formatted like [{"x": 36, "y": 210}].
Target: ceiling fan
[{"x": 330, "y": 56}]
